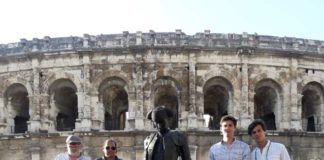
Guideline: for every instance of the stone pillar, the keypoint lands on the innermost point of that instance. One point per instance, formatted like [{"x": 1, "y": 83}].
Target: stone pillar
[
  {"x": 11, "y": 116},
  {"x": 132, "y": 112},
  {"x": 244, "y": 111},
  {"x": 35, "y": 102},
  {"x": 139, "y": 94},
  {"x": 193, "y": 121},
  {"x": 97, "y": 114},
  {"x": 3, "y": 125},
  {"x": 83, "y": 122},
  {"x": 199, "y": 98},
  {"x": 294, "y": 113}
]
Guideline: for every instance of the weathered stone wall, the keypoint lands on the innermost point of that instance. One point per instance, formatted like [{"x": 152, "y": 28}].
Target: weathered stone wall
[
  {"x": 186, "y": 72},
  {"x": 301, "y": 146}
]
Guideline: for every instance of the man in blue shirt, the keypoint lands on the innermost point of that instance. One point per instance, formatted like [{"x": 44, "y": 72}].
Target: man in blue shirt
[{"x": 229, "y": 148}]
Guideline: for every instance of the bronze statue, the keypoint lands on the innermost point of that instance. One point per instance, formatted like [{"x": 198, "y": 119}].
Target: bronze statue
[{"x": 164, "y": 144}]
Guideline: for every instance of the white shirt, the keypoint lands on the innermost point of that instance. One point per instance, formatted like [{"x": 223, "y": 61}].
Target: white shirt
[
  {"x": 272, "y": 151},
  {"x": 65, "y": 156}
]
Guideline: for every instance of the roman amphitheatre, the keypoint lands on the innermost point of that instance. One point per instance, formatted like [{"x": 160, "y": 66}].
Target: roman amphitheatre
[{"x": 97, "y": 86}]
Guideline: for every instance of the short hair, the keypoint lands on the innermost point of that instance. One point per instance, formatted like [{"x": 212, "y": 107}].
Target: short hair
[
  {"x": 256, "y": 123},
  {"x": 228, "y": 118},
  {"x": 110, "y": 140}
]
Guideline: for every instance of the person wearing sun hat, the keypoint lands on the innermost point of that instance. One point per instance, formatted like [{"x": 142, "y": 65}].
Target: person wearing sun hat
[{"x": 74, "y": 150}]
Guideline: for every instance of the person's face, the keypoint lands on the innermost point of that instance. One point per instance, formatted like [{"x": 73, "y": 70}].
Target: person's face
[
  {"x": 258, "y": 134},
  {"x": 74, "y": 148},
  {"x": 110, "y": 149},
  {"x": 227, "y": 128}
]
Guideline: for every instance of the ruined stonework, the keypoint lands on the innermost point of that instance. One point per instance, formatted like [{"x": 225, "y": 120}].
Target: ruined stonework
[{"x": 100, "y": 86}]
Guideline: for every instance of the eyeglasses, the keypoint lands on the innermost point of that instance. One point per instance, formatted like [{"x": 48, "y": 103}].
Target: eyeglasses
[
  {"x": 112, "y": 148},
  {"x": 74, "y": 143}
]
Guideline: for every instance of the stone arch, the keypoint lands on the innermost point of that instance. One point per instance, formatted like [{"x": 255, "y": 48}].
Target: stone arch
[
  {"x": 16, "y": 100},
  {"x": 226, "y": 75},
  {"x": 113, "y": 94},
  {"x": 312, "y": 106},
  {"x": 166, "y": 91},
  {"x": 267, "y": 102},
  {"x": 63, "y": 104},
  {"x": 218, "y": 97},
  {"x": 61, "y": 75},
  {"x": 97, "y": 81}
]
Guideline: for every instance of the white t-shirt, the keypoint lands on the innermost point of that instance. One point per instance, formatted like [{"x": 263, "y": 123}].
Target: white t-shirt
[
  {"x": 272, "y": 151},
  {"x": 65, "y": 156}
]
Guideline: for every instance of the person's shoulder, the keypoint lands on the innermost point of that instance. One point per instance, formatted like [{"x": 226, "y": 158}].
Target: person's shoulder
[
  {"x": 242, "y": 143},
  {"x": 277, "y": 145},
  {"x": 85, "y": 158},
  {"x": 61, "y": 156},
  {"x": 216, "y": 145},
  {"x": 99, "y": 158},
  {"x": 151, "y": 135}
]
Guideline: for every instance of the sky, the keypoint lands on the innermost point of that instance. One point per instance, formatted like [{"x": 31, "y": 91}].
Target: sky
[{"x": 63, "y": 18}]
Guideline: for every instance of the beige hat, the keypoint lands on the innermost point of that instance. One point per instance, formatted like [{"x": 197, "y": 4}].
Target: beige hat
[{"x": 73, "y": 139}]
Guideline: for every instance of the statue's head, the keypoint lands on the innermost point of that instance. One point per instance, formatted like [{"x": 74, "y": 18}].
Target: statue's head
[{"x": 159, "y": 116}]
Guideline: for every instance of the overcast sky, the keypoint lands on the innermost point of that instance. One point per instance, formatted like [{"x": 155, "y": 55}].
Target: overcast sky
[{"x": 63, "y": 18}]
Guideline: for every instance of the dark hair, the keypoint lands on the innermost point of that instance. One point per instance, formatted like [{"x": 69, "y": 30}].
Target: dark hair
[
  {"x": 256, "y": 123},
  {"x": 168, "y": 112},
  {"x": 228, "y": 118}
]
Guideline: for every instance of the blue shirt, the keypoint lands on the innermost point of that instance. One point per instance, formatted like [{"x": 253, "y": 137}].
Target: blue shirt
[{"x": 237, "y": 151}]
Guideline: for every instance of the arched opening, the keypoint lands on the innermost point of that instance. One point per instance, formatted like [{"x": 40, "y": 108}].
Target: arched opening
[
  {"x": 312, "y": 102},
  {"x": 267, "y": 103},
  {"x": 64, "y": 98},
  {"x": 17, "y": 102},
  {"x": 217, "y": 93},
  {"x": 114, "y": 97},
  {"x": 167, "y": 96}
]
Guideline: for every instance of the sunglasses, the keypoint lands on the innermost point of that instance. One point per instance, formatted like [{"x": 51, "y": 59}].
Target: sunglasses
[
  {"x": 74, "y": 143},
  {"x": 112, "y": 148}
]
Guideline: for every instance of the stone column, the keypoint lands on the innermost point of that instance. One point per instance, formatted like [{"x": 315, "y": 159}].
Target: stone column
[
  {"x": 11, "y": 116},
  {"x": 48, "y": 112},
  {"x": 294, "y": 113},
  {"x": 139, "y": 94},
  {"x": 245, "y": 115},
  {"x": 34, "y": 124},
  {"x": 97, "y": 114},
  {"x": 132, "y": 112},
  {"x": 193, "y": 121},
  {"x": 3, "y": 125},
  {"x": 83, "y": 122}
]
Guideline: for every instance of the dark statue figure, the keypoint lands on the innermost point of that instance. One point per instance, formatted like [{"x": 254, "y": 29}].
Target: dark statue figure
[{"x": 164, "y": 144}]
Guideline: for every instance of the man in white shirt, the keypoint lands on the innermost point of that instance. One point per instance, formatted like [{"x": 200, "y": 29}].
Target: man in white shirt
[
  {"x": 265, "y": 150},
  {"x": 74, "y": 150}
]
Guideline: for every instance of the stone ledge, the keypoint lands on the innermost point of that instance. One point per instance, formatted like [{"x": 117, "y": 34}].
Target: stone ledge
[{"x": 204, "y": 40}]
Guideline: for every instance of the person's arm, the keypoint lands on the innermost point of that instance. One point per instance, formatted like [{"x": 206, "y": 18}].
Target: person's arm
[
  {"x": 210, "y": 154},
  {"x": 284, "y": 153},
  {"x": 185, "y": 152},
  {"x": 247, "y": 153}
]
